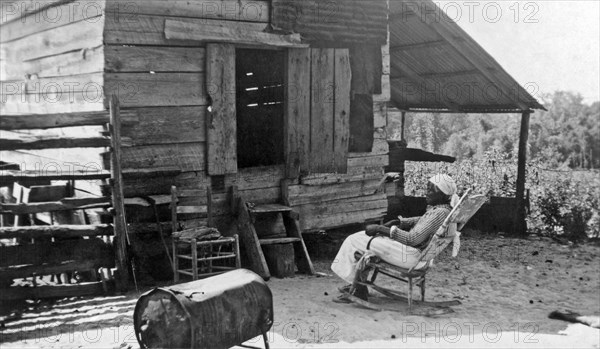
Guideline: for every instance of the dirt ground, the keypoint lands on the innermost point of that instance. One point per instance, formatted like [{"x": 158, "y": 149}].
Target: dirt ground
[{"x": 507, "y": 288}]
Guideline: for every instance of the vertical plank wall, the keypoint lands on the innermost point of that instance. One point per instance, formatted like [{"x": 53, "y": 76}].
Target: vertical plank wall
[{"x": 163, "y": 82}]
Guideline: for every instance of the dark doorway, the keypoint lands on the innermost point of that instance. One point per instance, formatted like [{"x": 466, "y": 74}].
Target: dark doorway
[{"x": 260, "y": 107}]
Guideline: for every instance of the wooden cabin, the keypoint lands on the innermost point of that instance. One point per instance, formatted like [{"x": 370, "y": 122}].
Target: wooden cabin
[
  {"x": 242, "y": 96},
  {"x": 232, "y": 106}
]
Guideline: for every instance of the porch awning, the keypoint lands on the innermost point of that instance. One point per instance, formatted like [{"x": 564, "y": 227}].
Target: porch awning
[{"x": 435, "y": 65}]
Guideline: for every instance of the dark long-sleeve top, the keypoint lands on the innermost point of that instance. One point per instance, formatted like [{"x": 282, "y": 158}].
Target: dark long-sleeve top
[{"x": 421, "y": 228}]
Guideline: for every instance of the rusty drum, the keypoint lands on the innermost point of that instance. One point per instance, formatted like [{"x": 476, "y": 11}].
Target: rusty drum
[{"x": 217, "y": 312}]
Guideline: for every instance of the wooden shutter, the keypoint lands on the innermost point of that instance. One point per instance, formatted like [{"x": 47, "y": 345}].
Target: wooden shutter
[
  {"x": 343, "y": 77},
  {"x": 322, "y": 109},
  {"x": 318, "y": 111},
  {"x": 367, "y": 70},
  {"x": 221, "y": 120},
  {"x": 297, "y": 118}
]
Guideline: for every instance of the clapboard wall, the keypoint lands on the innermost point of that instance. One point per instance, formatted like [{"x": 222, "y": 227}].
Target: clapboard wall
[{"x": 161, "y": 87}]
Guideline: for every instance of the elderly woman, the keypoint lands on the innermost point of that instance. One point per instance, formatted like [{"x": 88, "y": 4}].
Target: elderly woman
[{"x": 401, "y": 244}]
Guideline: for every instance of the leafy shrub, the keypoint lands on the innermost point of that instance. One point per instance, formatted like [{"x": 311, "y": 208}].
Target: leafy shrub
[{"x": 566, "y": 203}]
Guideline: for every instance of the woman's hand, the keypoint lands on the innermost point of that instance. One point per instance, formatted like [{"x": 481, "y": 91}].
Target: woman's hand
[
  {"x": 377, "y": 230},
  {"x": 391, "y": 223}
]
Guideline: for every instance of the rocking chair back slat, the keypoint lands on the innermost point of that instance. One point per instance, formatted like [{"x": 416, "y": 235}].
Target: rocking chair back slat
[{"x": 460, "y": 215}]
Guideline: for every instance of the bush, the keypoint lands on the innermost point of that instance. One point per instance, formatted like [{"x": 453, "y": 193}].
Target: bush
[{"x": 566, "y": 203}]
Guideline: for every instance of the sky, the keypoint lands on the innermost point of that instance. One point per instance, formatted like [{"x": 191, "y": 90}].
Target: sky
[{"x": 546, "y": 45}]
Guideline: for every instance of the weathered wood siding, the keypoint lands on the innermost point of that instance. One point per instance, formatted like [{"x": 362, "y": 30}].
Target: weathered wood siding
[
  {"x": 51, "y": 57},
  {"x": 62, "y": 56},
  {"x": 52, "y": 61},
  {"x": 164, "y": 82}
]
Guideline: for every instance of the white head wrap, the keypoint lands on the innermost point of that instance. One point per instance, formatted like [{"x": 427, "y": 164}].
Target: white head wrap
[{"x": 447, "y": 185}]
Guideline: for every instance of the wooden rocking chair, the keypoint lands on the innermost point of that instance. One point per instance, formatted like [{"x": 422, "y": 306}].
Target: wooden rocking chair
[{"x": 415, "y": 276}]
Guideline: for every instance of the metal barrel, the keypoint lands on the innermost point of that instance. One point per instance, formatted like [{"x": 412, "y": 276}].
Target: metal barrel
[{"x": 217, "y": 312}]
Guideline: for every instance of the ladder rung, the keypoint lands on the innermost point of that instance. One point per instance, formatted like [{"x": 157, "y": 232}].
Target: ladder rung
[
  {"x": 202, "y": 259},
  {"x": 278, "y": 241},
  {"x": 216, "y": 258}
]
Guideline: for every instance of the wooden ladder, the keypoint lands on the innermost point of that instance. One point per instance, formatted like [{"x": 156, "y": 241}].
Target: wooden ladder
[{"x": 247, "y": 215}]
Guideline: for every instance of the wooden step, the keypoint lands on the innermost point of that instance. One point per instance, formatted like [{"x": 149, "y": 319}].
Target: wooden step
[
  {"x": 269, "y": 208},
  {"x": 60, "y": 231},
  {"x": 278, "y": 241}
]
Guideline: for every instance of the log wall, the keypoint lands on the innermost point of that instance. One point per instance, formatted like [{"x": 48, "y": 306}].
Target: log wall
[{"x": 51, "y": 57}]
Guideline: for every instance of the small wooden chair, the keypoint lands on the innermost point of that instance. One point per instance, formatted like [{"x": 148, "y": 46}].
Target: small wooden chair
[
  {"x": 195, "y": 241},
  {"x": 464, "y": 210}
]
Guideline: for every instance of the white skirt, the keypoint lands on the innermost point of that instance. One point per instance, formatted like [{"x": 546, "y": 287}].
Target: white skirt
[{"x": 389, "y": 250}]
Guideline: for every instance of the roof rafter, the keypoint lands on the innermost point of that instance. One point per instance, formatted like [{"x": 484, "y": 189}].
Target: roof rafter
[{"x": 427, "y": 44}]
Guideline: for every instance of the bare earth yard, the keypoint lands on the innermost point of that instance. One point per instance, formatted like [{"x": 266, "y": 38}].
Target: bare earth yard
[{"x": 507, "y": 288}]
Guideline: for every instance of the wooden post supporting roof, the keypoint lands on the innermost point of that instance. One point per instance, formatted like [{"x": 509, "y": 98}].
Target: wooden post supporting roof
[{"x": 520, "y": 224}]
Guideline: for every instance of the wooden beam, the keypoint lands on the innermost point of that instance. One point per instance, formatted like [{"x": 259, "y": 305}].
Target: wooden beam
[
  {"x": 426, "y": 44},
  {"x": 121, "y": 237},
  {"x": 38, "y": 143},
  {"x": 520, "y": 223},
  {"x": 48, "y": 121},
  {"x": 403, "y": 126},
  {"x": 16, "y": 176},
  {"x": 433, "y": 75},
  {"x": 231, "y": 10},
  {"x": 182, "y": 30},
  {"x": 60, "y": 231},
  {"x": 249, "y": 240},
  {"x": 62, "y": 205},
  {"x": 12, "y": 176}
]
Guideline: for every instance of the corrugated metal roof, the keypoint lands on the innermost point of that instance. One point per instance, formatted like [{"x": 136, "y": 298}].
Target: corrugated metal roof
[
  {"x": 437, "y": 65},
  {"x": 337, "y": 22}
]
